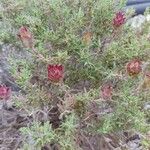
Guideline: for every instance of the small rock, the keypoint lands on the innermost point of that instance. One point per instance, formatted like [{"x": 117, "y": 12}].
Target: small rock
[
  {"x": 134, "y": 145},
  {"x": 147, "y": 106},
  {"x": 137, "y": 21}
]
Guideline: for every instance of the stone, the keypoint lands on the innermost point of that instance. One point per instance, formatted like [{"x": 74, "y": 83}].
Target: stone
[
  {"x": 147, "y": 106},
  {"x": 137, "y": 21}
]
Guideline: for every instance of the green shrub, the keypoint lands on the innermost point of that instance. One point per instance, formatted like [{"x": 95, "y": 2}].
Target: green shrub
[{"x": 80, "y": 36}]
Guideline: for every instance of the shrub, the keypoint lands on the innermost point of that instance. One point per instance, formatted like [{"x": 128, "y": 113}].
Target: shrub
[{"x": 76, "y": 48}]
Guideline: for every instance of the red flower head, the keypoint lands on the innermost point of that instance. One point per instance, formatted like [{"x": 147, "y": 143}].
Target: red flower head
[
  {"x": 119, "y": 19},
  {"x": 26, "y": 37},
  {"x": 55, "y": 72},
  {"x": 5, "y": 92},
  {"x": 134, "y": 67},
  {"x": 106, "y": 91}
]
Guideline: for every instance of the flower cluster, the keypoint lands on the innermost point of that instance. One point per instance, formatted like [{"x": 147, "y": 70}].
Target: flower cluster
[
  {"x": 5, "y": 92},
  {"x": 55, "y": 73},
  {"x": 134, "y": 67},
  {"x": 26, "y": 37},
  {"x": 119, "y": 19}
]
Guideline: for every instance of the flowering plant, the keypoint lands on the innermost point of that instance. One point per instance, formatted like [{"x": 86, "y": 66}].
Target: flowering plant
[
  {"x": 55, "y": 72},
  {"x": 5, "y": 92},
  {"x": 134, "y": 67},
  {"x": 119, "y": 19}
]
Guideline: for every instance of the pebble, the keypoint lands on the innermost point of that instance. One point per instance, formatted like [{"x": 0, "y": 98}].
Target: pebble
[
  {"x": 137, "y": 21},
  {"x": 147, "y": 106}
]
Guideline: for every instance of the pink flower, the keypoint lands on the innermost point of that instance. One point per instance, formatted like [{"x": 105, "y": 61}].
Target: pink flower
[
  {"x": 119, "y": 19},
  {"x": 134, "y": 67},
  {"x": 5, "y": 92},
  {"x": 55, "y": 73},
  {"x": 26, "y": 37},
  {"x": 106, "y": 91}
]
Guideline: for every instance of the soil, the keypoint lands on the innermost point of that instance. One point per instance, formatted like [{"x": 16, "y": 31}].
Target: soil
[{"x": 11, "y": 121}]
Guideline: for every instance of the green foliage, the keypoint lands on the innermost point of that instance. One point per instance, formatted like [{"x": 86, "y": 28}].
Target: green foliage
[
  {"x": 21, "y": 69},
  {"x": 68, "y": 129},
  {"x": 146, "y": 143},
  {"x": 38, "y": 135},
  {"x": 127, "y": 114},
  {"x": 126, "y": 48}
]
